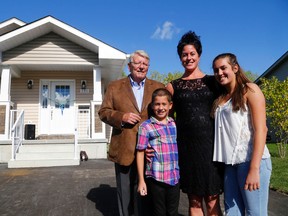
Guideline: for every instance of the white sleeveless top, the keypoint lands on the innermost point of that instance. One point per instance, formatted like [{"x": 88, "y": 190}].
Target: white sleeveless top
[{"x": 233, "y": 143}]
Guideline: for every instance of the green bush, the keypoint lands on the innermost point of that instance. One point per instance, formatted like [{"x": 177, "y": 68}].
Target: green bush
[{"x": 279, "y": 175}]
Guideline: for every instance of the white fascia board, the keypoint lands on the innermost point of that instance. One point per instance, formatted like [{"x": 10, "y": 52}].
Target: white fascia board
[
  {"x": 22, "y": 30},
  {"x": 11, "y": 21},
  {"x": 105, "y": 51}
]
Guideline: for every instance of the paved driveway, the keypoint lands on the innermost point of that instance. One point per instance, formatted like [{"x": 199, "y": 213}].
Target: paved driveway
[{"x": 85, "y": 190}]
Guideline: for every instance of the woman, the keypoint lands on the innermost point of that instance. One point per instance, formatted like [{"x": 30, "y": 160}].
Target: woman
[
  {"x": 240, "y": 137},
  {"x": 193, "y": 96}
]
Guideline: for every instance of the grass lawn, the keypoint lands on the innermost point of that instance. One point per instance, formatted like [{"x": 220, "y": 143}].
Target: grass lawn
[{"x": 279, "y": 178}]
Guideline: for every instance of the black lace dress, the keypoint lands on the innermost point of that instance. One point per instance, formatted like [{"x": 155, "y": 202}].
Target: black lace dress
[{"x": 192, "y": 101}]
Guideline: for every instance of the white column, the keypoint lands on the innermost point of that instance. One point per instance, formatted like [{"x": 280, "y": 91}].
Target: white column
[
  {"x": 97, "y": 90},
  {"x": 5, "y": 84},
  {"x": 96, "y": 123},
  {"x": 5, "y": 97}
]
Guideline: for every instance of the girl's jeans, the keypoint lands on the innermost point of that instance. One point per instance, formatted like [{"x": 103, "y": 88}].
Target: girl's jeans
[{"x": 239, "y": 201}]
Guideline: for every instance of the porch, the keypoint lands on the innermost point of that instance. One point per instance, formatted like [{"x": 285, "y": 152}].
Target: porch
[{"x": 24, "y": 149}]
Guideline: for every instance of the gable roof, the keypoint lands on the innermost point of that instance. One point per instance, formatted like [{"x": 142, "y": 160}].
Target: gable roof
[
  {"x": 47, "y": 24},
  {"x": 111, "y": 60},
  {"x": 10, "y": 25},
  {"x": 280, "y": 61}
]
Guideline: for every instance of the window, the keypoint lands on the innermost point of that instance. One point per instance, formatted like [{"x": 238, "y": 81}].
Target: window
[
  {"x": 62, "y": 96},
  {"x": 44, "y": 96}
]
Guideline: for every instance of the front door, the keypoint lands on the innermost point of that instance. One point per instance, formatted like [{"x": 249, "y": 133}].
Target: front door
[{"x": 57, "y": 107}]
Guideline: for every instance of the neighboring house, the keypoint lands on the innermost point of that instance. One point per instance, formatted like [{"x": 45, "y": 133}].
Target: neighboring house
[
  {"x": 56, "y": 75},
  {"x": 279, "y": 70}
]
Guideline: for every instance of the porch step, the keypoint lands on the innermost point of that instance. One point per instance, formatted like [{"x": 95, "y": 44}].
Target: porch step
[
  {"x": 43, "y": 163},
  {"x": 32, "y": 148},
  {"x": 44, "y": 155}
]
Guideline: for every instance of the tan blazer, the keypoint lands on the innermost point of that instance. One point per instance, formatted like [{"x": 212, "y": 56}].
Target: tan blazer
[{"x": 119, "y": 99}]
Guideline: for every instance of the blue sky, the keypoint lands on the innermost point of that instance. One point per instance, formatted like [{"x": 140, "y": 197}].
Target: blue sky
[{"x": 255, "y": 30}]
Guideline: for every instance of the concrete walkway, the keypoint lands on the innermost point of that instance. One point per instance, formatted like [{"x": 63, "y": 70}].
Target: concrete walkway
[{"x": 85, "y": 190}]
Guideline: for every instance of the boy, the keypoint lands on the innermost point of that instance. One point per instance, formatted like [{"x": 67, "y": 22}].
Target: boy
[{"x": 162, "y": 173}]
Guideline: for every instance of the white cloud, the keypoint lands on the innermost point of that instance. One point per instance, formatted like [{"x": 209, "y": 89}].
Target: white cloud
[{"x": 165, "y": 32}]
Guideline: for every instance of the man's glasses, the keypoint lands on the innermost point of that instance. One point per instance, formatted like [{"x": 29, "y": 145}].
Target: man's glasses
[{"x": 139, "y": 63}]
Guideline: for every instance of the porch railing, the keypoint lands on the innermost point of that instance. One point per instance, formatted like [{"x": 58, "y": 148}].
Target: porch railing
[
  {"x": 75, "y": 143},
  {"x": 17, "y": 131}
]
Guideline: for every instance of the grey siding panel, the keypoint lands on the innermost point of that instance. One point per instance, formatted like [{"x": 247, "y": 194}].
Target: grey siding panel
[
  {"x": 50, "y": 49},
  {"x": 281, "y": 71}
]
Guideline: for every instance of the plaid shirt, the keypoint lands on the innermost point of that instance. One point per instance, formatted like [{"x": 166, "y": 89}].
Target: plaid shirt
[{"x": 162, "y": 138}]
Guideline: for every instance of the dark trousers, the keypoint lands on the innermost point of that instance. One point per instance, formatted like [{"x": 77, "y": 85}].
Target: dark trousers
[
  {"x": 165, "y": 198},
  {"x": 129, "y": 200}
]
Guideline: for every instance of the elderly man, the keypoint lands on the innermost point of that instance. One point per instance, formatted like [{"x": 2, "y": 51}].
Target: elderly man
[{"x": 125, "y": 107}]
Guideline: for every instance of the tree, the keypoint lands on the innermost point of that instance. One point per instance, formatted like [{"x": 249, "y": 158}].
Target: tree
[
  {"x": 165, "y": 78},
  {"x": 251, "y": 76},
  {"x": 276, "y": 94},
  {"x": 172, "y": 76},
  {"x": 155, "y": 75},
  {"x": 123, "y": 74}
]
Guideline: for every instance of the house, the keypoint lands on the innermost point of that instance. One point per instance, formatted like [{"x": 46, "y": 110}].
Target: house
[
  {"x": 279, "y": 70},
  {"x": 52, "y": 80}
]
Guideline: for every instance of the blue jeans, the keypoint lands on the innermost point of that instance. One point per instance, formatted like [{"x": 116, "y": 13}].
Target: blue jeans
[{"x": 239, "y": 201}]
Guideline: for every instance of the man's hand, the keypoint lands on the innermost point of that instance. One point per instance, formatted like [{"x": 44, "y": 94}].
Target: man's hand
[
  {"x": 131, "y": 118},
  {"x": 149, "y": 153}
]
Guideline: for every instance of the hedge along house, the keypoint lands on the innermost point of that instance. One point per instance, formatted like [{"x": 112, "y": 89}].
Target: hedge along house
[
  {"x": 52, "y": 82},
  {"x": 278, "y": 69}
]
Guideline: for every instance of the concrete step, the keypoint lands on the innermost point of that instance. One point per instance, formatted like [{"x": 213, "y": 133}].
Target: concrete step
[
  {"x": 49, "y": 153},
  {"x": 43, "y": 163},
  {"x": 44, "y": 155},
  {"x": 46, "y": 148},
  {"x": 36, "y": 154}
]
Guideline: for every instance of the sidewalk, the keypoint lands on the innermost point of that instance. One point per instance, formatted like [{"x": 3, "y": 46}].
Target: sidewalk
[{"x": 85, "y": 190}]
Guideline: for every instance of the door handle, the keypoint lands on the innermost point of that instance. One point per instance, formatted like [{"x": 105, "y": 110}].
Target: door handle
[{"x": 51, "y": 114}]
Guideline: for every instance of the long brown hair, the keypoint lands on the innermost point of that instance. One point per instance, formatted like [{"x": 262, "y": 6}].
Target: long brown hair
[{"x": 241, "y": 88}]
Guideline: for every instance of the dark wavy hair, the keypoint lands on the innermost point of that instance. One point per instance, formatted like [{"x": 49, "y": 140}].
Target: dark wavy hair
[{"x": 189, "y": 38}]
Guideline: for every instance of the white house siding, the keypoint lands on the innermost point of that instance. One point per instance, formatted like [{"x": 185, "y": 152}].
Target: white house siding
[
  {"x": 28, "y": 99},
  {"x": 50, "y": 49}
]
